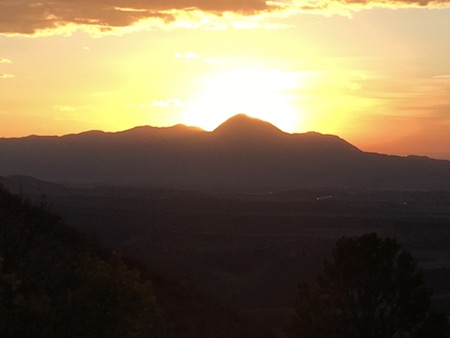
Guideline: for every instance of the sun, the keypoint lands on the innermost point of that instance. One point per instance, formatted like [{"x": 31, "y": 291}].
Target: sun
[{"x": 255, "y": 92}]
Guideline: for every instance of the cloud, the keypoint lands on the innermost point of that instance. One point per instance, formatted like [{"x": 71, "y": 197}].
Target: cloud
[
  {"x": 45, "y": 17},
  {"x": 30, "y": 16},
  {"x": 186, "y": 56},
  {"x": 3, "y": 60},
  {"x": 354, "y": 86},
  {"x": 190, "y": 57},
  {"x": 65, "y": 108},
  {"x": 6, "y": 76},
  {"x": 439, "y": 113},
  {"x": 174, "y": 102},
  {"x": 444, "y": 77}
]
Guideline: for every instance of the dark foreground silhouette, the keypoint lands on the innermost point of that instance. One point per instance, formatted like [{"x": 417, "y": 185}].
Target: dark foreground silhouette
[
  {"x": 242, "y": 153},
  {"x": 55, "y": 283},
  {"x": 372, "y": 289},
  {"x": 220, "y": 265}
]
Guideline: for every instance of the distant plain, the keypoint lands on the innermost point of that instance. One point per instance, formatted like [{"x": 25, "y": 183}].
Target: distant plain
[{"x": 248, "y": 251}]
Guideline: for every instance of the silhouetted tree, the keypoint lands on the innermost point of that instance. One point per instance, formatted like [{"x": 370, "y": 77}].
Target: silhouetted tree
[
  {"x": 370, "y": 288},
  {"x": 55, "y": 283}
]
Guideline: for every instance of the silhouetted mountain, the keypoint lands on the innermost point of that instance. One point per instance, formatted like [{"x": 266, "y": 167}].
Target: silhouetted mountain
[
  {"x": 244, "y": 127},
  {"x": 241, "y": 153},
  {"x": 21, "y": 185}
]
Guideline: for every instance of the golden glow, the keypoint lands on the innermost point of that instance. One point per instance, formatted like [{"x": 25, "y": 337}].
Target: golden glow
[
  {"x": 254, "y": 92},
  {"x": 317, "y": 74}
]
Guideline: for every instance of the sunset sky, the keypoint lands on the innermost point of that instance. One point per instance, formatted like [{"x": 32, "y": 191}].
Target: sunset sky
[{"x": 376, "y": 73}]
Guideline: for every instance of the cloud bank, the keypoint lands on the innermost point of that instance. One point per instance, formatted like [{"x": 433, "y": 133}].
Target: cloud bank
[{"x": 29, "y": 17}]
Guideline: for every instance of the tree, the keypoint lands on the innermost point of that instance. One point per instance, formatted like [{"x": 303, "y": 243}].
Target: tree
[
  {"x": 55, "y": 283},
  {"x": 371, "y": 288}
]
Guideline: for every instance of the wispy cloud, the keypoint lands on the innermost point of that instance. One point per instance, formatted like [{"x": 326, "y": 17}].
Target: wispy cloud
[
  {"x": 174, "y": 102},
  {"x": 6, "y": 76},
  {"x": 187, "y": 55},
  {"x": 446, "y": 76},
  {"x": 64, "y": 108},
  {"x": 30, "y": 17}
]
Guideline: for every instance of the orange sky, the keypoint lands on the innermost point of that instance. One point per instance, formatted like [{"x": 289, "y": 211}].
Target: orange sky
[{"x": 375, "y": 73}]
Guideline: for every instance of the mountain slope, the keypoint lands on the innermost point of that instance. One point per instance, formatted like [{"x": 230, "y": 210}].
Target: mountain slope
[{"x": 241, "y": 153}]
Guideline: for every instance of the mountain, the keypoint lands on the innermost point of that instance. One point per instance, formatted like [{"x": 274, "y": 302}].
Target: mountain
[
  {"x": 242, "y": 126},
  {"x": 242, "y": 153},
  {"x": 26, "y": 185}
]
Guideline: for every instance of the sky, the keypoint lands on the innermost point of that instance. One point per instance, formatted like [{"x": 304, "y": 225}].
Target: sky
[{"x": 376, "y": 73}]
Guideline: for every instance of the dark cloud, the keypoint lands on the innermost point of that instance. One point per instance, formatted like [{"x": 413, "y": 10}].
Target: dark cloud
[{"x": 30, "y": 16}]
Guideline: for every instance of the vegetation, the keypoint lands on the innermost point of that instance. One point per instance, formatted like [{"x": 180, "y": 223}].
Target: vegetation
[
  {"x": 371, "y": 288},
  {"x": 55, "y": 283},
  {"x": 219, "y": 266}
]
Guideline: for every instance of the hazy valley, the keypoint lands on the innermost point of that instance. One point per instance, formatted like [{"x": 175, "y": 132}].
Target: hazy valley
[{"x": 238, "y": 216}]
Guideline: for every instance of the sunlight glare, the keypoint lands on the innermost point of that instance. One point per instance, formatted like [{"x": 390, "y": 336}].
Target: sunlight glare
[{"x": 254, "y": 92}]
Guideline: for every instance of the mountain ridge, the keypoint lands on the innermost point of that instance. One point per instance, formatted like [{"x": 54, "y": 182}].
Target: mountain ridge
[{"x": 242, "y": 152}]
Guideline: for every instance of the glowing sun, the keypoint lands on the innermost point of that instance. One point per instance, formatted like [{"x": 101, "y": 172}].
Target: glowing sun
[{"x": 258, "y": 93}]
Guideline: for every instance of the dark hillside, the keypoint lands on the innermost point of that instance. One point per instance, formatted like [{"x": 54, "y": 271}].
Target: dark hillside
[
  {"x": 63, "y": 285},
  {"x": 55, "y": 283},
  {"x": 209, "y": 252}
]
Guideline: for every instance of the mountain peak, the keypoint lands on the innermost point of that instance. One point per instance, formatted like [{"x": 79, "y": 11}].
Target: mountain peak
[{"x": 242, "y": 125}]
